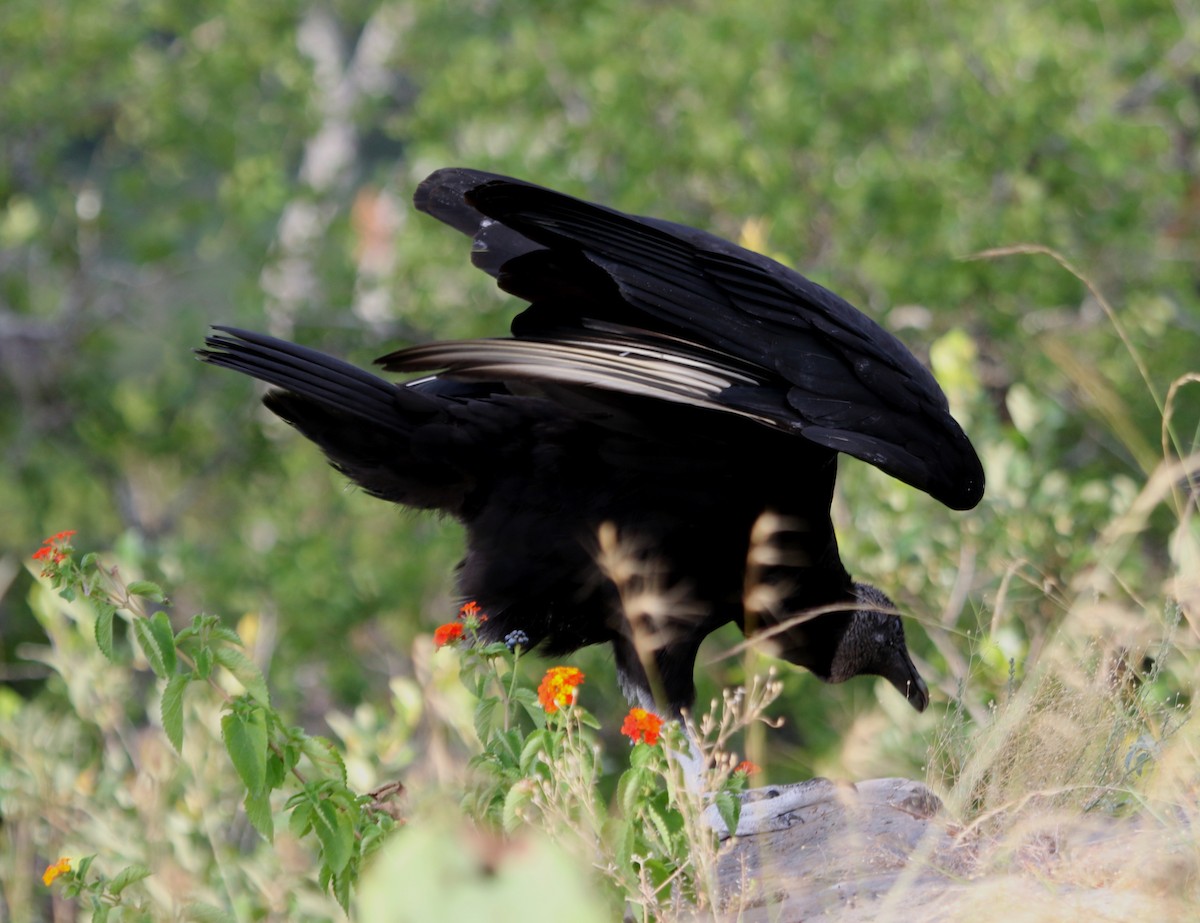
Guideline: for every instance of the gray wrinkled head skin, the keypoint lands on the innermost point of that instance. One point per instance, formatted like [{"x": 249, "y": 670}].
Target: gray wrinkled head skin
[{"x": 874, "y": 645}]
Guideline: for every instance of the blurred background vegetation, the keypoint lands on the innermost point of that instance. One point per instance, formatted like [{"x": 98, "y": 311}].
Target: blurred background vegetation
[{"x": 167, "y": 165}]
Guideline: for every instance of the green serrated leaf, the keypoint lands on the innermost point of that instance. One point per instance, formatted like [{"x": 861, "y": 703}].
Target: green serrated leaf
[
  {"x": 301, "y": 797},
  {"x": 157, "y": 643},
  {"x": 207, "y": 913},
  {"x": 526, "y": 696},
  {"x": 72, "y": 889},
  {"x": 68, "y": 594},
  {"x": 651, "y": 813},
  {"x": 642, "y": 755},
  {"x": 147, "y": 590},
  {"x": 375, "y": 835},
  {"x": 507, "y": 746},
  {"x": 204, "y": 662},
  {"x": 127, "y": 876},
  {"x": 517, "y": 798},
  {"x": 293, "y": 750},
  {"x": 300, "y": 820},
  {"x": 258, "y": 812},
  {"x": 324, "y": 755},
  {"x": 160, "y": 624},
  {"x": 484, "y": 715},
  {"x": 245, "y": 738},
  {"x": 200, "y": 623},
  {"x": 341, "y": 890},
  {"x": 335, "y": 832},
  {"x": 624, "y": 843},
  {"x": 659, "y": 871},
  {"x": 245, "y": 671},
  {"x": 157, "y": 646},
  {"x": 629, "y": 789},
  {"x": 276, "y": 770},
  {"x": 221, "y": 632},
  {"x": 538, "y": 742},
  {"x": 104, "y": 629},
  {"x": 87, "y": 563},
  {"x": 172, "y": 709},
  {"x": 729, "y": 806}
]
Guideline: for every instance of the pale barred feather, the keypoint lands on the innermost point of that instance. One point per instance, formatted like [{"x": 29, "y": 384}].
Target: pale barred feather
[{"x": 612, "y": 364}]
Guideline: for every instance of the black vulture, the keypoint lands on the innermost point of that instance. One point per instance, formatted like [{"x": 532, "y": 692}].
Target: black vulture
[{"x": 666, "y": 394}]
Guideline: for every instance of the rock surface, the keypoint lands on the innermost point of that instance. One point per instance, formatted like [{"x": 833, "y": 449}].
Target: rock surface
[
  {"x": 884, "y": 850},
  {"x": 823, "y": 850}
]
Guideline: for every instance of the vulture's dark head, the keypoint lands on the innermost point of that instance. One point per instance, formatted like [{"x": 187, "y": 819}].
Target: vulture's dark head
[{"x": 874, "y": 645}]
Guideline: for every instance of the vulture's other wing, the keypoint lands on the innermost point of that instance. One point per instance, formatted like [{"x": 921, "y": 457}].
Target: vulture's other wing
[{"x": 847, "y": 383}]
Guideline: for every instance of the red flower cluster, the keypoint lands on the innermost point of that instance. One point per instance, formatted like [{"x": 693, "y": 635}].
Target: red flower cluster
[
  {"x": 557, "y": 689},
  {"x": 470, "y": 617},
  {"x": 448, "y": 633},
  {"x": 747, "y": 767},
  {"x": 642, "y": 725},
  {"x": 53, "y": 550}
]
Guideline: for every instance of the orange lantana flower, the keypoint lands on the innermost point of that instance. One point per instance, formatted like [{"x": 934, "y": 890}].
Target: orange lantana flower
[
  {"x": 642, "y": 725},
  {"x": 448, "y": 633},
  {"x": 61, "y": 867},
  {"x": 53, "y": 550},
  {"x": 557, "y": 689},
  {"x": 470, "y": 610},
  {"x": 747, "y": 767}
]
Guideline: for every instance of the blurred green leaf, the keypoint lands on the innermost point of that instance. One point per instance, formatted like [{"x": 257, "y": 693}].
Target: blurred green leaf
[
  {"x": 244, "y": 670},
  {"x": 244, "y": 731},
  {"x": 172, "y": 709},
  {"x": 258, "y": 812},
  {"x": 127, "y": 876},
  {"x": 157, "y": 642},
  {"x": 104, "y": 628},
  {"x": 336, "y": 832},
  {"x": 147, "y": 590}
]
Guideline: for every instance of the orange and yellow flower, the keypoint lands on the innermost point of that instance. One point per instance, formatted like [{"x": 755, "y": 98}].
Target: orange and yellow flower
[
  {"x": 61, "y": 867},
  {"x": 642, "y": 725},
  {"x": 448, "y": 633},
  {"x": 557, "y": 689}
]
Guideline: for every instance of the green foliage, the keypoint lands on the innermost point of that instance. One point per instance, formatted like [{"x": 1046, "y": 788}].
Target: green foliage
[
  {"x": 103, "y": 896},
  {"x": 266, "y": 755},
  {"x": 538, "y": 760},
  {"x": 542, "y": 766}
]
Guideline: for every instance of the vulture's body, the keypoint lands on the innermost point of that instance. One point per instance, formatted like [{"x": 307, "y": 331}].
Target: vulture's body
[{"x": 679, "y": 395}]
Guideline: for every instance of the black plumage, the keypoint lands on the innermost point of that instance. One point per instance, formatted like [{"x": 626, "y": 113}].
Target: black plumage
[{"x": 652, "y": 453}]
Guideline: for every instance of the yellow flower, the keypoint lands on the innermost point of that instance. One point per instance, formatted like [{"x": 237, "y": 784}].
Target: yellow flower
[
  {"x": 558, "y": 688},
  {"x": 61, "y": 867}
]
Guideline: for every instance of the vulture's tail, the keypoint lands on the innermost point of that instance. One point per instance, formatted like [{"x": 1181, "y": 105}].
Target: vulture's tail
[{"x": 368, "y": 427}]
